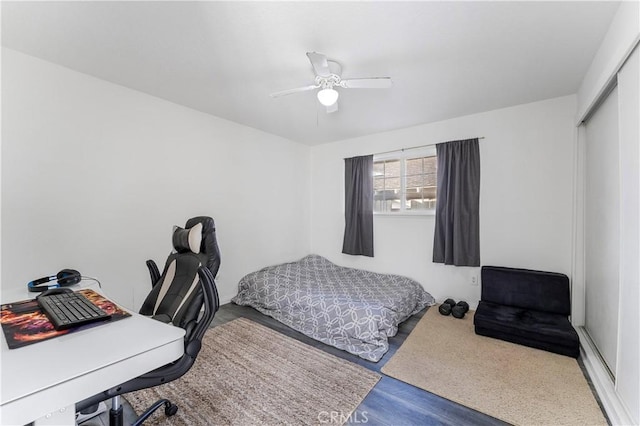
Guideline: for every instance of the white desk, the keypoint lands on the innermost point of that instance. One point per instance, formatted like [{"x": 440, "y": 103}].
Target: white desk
[{"x": 43, "y": 381}]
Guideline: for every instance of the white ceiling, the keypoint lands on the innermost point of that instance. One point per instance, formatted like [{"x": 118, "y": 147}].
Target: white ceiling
[{"x": 446, "y": 59}]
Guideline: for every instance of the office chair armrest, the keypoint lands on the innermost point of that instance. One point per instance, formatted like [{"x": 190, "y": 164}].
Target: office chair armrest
[
  {"x": 154, "y": 272},
  {"x": 211, "y": 304}
]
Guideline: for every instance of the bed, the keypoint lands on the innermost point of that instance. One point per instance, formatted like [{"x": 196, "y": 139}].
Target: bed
[{"x": 351, "y": 309}]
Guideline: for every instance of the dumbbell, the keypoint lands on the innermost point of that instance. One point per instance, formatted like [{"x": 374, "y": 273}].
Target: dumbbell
[
  {"x": 447, "y": 306},
  {"x": 460, "y": 309}
]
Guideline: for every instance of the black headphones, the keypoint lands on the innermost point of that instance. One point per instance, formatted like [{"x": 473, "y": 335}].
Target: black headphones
[{"x": 63, "y": 278}]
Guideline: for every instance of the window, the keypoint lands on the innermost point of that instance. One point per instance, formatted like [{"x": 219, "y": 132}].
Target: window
[{"x": 405, "y": 182}]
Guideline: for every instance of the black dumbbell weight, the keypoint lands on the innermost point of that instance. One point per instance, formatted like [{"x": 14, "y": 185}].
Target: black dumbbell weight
[
  {"x": 460, "y": 309},
  {"x": 447, "y": 306}
]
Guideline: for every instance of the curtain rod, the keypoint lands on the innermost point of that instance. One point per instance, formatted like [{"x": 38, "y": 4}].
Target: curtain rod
[{"x": 419, "y": 146}]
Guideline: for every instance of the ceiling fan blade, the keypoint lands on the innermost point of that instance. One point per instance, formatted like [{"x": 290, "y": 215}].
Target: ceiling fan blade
[
  {"x": 319, "y": 63},
  {"x": 332, "y": 108},
  {"x": 296, "y": 90},
  {"x": 367, "y": 83}
]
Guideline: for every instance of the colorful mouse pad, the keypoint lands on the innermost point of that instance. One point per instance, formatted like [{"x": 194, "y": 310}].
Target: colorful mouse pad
[{"x": 23, "y": 323}]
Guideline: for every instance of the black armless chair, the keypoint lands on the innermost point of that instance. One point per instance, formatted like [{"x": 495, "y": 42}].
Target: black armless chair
[{"x": 185, "y": 288}]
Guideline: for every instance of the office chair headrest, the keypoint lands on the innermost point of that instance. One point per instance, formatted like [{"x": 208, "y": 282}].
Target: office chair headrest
[
  {"x": 209, "y": 243},
  {"x": 187, "y": 240}
]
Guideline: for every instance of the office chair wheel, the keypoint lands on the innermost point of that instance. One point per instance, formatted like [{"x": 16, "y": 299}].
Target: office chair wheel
[{"x": 170, "y": 409}]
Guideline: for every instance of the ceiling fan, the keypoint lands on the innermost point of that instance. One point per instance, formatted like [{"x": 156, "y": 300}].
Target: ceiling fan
[{"x": 328, "y": 79}]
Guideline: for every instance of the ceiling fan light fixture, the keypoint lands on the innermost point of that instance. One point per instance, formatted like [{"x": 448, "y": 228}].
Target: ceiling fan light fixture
[{"x": 328, "y": 97}]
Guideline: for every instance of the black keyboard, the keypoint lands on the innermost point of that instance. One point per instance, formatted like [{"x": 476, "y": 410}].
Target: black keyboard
[{"x": 68, "y": 310}]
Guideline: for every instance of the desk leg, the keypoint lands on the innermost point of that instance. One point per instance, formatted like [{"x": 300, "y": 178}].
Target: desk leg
[{"x": 63, "y": 416}]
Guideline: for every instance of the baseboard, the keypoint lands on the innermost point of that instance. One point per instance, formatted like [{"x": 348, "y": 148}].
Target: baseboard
[{"x": 604, "y": 386}]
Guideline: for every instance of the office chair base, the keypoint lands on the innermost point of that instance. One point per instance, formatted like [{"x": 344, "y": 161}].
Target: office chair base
[
  {"x": 91, "y": 412},
  {"x": 170, "y": 409}
]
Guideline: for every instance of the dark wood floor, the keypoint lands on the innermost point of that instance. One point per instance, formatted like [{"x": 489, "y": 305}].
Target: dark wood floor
[{"x": 391, "y": 402}]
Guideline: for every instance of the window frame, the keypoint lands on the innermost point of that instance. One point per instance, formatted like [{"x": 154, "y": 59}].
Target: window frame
[{"x": 403, "y": 156}]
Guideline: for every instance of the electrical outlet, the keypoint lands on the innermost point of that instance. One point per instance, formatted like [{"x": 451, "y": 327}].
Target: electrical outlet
[{"x": 474, "y": 280}]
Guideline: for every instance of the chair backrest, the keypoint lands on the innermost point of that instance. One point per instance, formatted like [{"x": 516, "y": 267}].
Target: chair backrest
[
  {"x": 209, "y": 245},
  {"x": 523, "y": 288},
  {"x": 177, "y": 297}
]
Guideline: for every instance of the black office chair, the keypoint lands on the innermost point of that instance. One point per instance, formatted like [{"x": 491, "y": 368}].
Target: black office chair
[{"x": 177, "y": 297}]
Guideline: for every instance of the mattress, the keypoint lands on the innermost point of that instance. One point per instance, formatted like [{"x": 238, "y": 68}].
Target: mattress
[{"x": 350, "y": 309}]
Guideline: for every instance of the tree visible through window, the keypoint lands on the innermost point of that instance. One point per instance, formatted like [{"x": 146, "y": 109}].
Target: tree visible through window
[{"x": 405, "y": 182}]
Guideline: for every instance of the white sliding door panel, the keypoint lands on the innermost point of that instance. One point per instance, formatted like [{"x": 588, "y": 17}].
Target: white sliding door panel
[
  {"x": 602, "y": 229},
  {"x": 628, "y": 363}
]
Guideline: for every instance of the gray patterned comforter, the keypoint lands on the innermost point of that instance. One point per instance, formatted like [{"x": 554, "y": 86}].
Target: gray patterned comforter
[{"x": 350, "y": 309}]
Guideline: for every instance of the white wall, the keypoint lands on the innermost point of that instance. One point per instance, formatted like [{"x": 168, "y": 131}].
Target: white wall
[
  {"x": 94, "y": 176},
  {"x": 622, "y": 36},
  {"x": 525, "y": 197}
]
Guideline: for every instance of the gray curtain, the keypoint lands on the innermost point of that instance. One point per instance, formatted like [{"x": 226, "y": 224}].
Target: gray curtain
[
  {"x": 457, "y": 233},
  {"x": 358, "y": 215}
]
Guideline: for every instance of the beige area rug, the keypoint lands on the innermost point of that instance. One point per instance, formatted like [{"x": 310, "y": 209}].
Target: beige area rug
[
  {"x": 248, "y": 374},
  {"x": 514, "y": 383}
]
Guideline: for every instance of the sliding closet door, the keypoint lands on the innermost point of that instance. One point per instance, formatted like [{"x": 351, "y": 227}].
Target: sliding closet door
[{"x": 602, "y": 229}]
